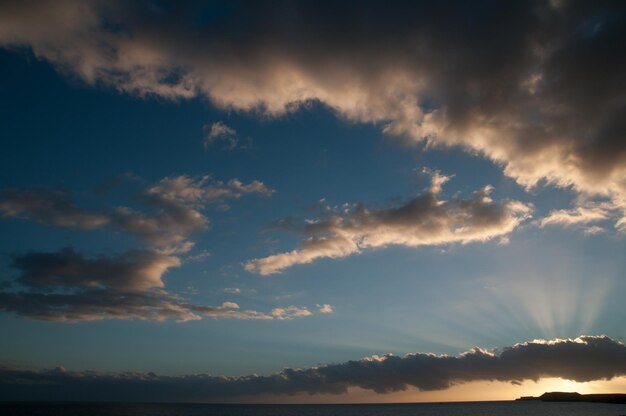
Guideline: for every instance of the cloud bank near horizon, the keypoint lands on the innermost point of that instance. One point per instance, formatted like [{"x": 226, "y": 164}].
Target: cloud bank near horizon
[
  {"x": 585, "y": 358},
  {"x": 535, "y": 86}
]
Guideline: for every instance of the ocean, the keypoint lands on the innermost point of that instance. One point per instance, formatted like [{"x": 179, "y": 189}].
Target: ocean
[{"x": 419, "y": 409}]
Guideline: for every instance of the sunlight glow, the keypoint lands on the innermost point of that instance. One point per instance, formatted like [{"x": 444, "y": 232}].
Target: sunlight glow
[{"x": 475, "y": 391}]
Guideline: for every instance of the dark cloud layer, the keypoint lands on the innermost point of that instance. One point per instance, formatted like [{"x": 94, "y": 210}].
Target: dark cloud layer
[
  {"x": 133, "y": 271},
  {"x": 48, "y": 207},
  {"x": 536, "y": 86},
  {"x": 69, "y": 287},
  {"x": 583, "y": 359}
]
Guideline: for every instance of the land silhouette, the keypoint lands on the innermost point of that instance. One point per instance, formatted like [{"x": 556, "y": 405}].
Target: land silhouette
[{"x": 557, "y": 396}]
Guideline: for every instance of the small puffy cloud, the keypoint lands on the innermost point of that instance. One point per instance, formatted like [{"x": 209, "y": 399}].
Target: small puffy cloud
[
  {"x": 48, "y": 207},
  {"x": 425, "y": 220},
  {"x": 583, "y": 359},
  {"x": 325, "y": 308},
  {"x": 219, "y": 132},
  {"x": 233, "y": 290},
  {"x": 290, "y": 312}
]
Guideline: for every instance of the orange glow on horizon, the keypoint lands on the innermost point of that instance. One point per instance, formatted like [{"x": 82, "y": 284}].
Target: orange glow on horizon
[{"x": 467, "y": 392}]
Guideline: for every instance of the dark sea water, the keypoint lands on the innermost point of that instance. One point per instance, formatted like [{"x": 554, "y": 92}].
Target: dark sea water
[{"x": 425, "y": 409}]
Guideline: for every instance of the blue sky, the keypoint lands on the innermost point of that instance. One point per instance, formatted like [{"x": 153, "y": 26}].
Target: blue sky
[{"x": 525, "y": 260}]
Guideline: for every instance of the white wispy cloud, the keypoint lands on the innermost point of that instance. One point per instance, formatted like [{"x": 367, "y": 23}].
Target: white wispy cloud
[{"x": 583, "y": 216}]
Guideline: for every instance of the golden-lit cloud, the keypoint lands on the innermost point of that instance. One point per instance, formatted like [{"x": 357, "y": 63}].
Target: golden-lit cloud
[
  {"x": 426, "y": 220},
  {"x": 545, "y": 101}
]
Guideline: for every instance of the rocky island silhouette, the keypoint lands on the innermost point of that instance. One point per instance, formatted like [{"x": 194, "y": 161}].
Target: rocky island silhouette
[{"x": 557, "y": 396}]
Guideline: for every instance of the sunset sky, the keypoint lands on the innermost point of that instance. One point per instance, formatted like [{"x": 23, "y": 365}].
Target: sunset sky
[{"x": 312, "y": 201}]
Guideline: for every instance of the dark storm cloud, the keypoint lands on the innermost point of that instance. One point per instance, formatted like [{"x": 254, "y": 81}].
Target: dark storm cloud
[
  {"x": 583, "y": 359},
  {"x": 49, "y": 207},
  {"x": 425, "y": 220},
  {"x": 536, "y": 86},
  {"x": 67, "y": 286}
]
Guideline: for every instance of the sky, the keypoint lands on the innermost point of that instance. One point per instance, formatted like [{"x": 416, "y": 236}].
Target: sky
[{"x": 311, "y": 202}]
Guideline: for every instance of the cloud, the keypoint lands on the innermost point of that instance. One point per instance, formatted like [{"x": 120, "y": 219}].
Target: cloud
[
  {"x": 176, "y": 204},
  {"x": 203, "y": 190},
  {"x": 535, "y": 86},
  {"x": 424, "y": 220},
  {"x": 233, "y": 290},
  {"x": 48, "y": 207},
  {"x": 582, "y": 359},
  {"x": 325, "y": 308},
  {"x": 582, "y": 216},
  {"x": 100, "y": 304},
  {"x": 132, "y": 271},
  {"x": 220, "y": 132},
  {"x": 178, "y": 201},
  {"x": 66, "y": 286},
  {"x": 200, "y": 256},
  {"x": 172, "y": 224},
  {"x": 290, "y": 312}
]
